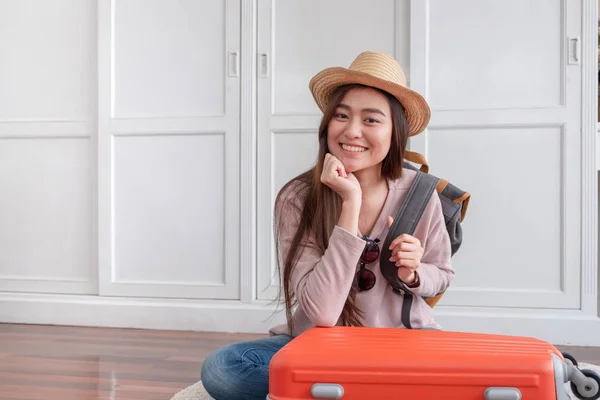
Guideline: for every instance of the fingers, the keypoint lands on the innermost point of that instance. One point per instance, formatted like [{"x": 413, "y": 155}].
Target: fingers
[
  {"x": 406, "y": 258},
  {"x": 406, "y": 251},
  {"x": 410, "y": 263},
  {"x": 404, "y": 238},
  {"x": 335, "y": 176},
  {"x": 334, "y": 166},
  {"x": 404, "y": 248},
  {"x": 406, "y": 254}
]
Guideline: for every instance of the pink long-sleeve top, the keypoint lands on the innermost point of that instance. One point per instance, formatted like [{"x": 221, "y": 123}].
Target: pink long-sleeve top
[{"x": 322, "y": 281}]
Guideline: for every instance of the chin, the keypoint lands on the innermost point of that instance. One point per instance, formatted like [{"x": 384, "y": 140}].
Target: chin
[{"x": 351, "y": 167}]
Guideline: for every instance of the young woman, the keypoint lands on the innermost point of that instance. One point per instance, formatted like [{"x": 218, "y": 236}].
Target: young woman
[{"x": 331, "y": 220}]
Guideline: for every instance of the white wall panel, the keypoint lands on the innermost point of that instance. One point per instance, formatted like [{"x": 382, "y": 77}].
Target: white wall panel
[
  {"x": 170, "y": 59},
  {"x": 490, "y": 54},
  {"x": 169, "y": 212},
  {"x": 506, "y": 127},
  {"x": 47, "y": 92},
  {"x": 338, "y": 31},
  {"x": 169, "y": 149},
  {"x": 47, "y": 216},
  {"x": 48, "y": 60}
]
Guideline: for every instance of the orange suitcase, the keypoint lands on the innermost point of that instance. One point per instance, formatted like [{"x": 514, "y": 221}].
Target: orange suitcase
[{"x": 380, "y": 363}]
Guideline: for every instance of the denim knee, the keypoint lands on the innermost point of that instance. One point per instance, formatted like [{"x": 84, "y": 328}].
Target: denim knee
[
  {"x": 222, "y": 376},
  {"x": 241, "y": 370},
  {"x": 214, "y": 373}
]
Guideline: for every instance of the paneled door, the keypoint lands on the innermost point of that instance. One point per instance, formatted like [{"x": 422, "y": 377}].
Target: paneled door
[
  {"x": 296, "y": 39},
  {"x": 504, "y": 83},
  {"x": 168, "y": 148},
  {"x": 47, "y": 154}
]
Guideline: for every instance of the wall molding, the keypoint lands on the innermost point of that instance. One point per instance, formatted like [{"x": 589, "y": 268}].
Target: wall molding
[
  {"x": 259, "y": 316},
  {"x": 248, "y": 123},
  {"x": 589, "y": 178},
  {"x": 46, "y": 129}
]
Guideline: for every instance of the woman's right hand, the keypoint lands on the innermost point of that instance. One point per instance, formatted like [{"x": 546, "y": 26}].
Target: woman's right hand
[{"x": 343, "y": 183}]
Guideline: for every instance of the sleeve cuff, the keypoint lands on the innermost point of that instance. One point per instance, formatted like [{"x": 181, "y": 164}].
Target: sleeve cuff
[
  {"x": 350, "y": 239},
  {"x": 416, "y": 283}
]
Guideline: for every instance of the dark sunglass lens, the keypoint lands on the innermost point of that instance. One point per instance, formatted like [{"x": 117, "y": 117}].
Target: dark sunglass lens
[
  {"x": 371, "y": 252},
  {"x": 366, "y": 279}
]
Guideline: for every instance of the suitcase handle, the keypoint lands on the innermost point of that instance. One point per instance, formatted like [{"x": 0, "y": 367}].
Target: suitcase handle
[
  {"x": 327, "y": 391},
  {"x": 502, "y": 393}
]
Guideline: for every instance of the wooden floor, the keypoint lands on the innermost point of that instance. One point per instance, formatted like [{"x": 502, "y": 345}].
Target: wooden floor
[{"x": 72, "y": 363}]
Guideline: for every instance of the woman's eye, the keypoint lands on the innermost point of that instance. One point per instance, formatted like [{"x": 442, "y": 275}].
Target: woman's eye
[
  {"x": 372, "y": 120},
  {"x": 340, "y": 115}
]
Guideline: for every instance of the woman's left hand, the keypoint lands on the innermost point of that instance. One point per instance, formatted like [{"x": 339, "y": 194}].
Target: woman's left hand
[{"x": 406, "y": 253}]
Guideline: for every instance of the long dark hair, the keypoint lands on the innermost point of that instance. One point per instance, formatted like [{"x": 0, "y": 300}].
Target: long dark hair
[{"x": 322, "y": 206}]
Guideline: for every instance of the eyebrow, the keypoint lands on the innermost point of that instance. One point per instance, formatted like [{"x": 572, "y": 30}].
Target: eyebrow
[{"x": 373, "y": 110}]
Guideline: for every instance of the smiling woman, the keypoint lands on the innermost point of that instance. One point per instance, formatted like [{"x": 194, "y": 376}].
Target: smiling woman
[{"x": 330, "y": 222}]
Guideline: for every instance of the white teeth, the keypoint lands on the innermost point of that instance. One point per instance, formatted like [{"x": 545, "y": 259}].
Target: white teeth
[{"x": 353, "y": 148}]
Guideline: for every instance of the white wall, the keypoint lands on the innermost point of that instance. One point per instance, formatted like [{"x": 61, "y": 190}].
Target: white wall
[
  {"x": 140, "y": 154},
  {"x": 47, "y": 146}
]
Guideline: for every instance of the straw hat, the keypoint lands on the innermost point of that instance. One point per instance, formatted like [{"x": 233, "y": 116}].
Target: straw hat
[{"x": 378, "y": 70}]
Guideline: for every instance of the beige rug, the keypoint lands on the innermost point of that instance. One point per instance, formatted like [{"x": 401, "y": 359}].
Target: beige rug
[{"x": 197, "y": 392}]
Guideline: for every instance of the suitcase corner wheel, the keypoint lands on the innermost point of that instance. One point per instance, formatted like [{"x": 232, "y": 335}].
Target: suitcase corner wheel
[{"x": 585, "y": 383}]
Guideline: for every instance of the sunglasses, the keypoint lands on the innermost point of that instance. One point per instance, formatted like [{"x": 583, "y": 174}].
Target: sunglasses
[{"x": 366, "y": 277}]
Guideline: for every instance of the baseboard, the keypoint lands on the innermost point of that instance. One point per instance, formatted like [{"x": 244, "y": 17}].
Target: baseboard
[
  {"x": 559, "y": 327},
  {"x": 141, "y": 313}
]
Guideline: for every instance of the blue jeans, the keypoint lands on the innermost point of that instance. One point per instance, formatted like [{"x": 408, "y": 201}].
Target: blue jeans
[{"x": 240, "y": 371}]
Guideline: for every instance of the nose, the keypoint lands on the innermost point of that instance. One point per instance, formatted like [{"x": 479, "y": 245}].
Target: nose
[{"x": 353, "y": 129}]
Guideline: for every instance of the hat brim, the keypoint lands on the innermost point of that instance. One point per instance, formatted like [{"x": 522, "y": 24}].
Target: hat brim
[{"x": 323, "y": 84}]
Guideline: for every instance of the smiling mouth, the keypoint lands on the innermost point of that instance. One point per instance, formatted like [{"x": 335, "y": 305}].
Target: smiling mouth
[{"x": 354, "y": 149}]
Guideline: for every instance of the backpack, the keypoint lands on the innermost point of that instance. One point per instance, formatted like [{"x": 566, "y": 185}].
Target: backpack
[{"x": 454, "y": 203}]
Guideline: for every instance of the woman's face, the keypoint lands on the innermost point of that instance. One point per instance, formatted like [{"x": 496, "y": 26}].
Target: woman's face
[{"x": 360, "y": 131}]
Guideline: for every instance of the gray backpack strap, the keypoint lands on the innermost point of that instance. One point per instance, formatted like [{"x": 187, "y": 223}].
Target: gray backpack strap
[{"x": 406, "y": 221}]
